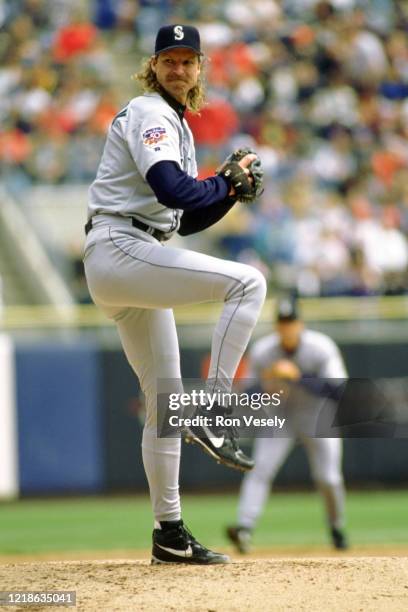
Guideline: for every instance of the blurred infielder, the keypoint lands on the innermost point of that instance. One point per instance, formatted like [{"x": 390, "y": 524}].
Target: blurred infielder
[
  {"x": 306, "y": 357},
  {"x": 145, "y": 191}
]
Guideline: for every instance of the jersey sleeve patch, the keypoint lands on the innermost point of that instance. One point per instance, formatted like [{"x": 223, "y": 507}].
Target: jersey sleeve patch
[{"x": 153, "y": 136}]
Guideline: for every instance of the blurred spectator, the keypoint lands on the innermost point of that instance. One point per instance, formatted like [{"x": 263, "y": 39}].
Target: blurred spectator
[
  {"x": 214, "y": 127},
  {"x": 364, "y": 56},
  {"x": 74, "y": 38},
  {"x": 385, "y": 251},
  {"x": 105, "y": 15},
  {"x": 47, "y": 163},
  {"x": 334, "y": 161},
  {"x": 331, "y": 262}
]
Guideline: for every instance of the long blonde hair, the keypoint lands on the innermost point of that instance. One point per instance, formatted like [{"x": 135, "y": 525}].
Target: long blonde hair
[{"x": 148, "y": 80}]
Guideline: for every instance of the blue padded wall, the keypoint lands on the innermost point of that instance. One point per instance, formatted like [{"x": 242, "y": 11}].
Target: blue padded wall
[{"x": 60, "y": 435}]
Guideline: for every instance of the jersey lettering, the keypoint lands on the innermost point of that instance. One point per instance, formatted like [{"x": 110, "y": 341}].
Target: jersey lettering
[{"x": 178, "y": 32}]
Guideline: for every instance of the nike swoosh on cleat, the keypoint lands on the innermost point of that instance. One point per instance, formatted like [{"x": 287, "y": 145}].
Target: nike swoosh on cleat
[
  {"x": 216, "y": 442},
  {"x": 188, "y": 552}
]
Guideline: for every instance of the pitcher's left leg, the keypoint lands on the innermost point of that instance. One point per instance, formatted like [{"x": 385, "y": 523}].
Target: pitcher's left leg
[{"x": 150, "y": 343}]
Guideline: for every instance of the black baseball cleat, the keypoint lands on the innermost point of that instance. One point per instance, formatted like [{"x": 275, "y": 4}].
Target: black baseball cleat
[
  {"x": 174, "y": 543},
  {"x": 220, "y": 442},
  {"x": 240, "y": 537},
  {"x": 339, "y": 539}
]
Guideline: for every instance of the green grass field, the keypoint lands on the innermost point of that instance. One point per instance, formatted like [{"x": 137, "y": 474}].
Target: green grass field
[{"x": 107, "y": 523}]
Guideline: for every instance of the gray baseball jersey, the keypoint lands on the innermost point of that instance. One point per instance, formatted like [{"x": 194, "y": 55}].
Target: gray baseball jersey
[
  {"x": 148, "y": 130},
  {"x": 316, "y": 355}
]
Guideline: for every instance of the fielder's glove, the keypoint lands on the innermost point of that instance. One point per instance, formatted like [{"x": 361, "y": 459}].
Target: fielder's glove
[
  {"x": 284, "y": 369},
  {"x": 279, "y": 376},
  {"x": 245, "y": 190}
]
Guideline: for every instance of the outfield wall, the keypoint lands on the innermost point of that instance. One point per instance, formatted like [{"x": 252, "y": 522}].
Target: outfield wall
[
  {"x": 9, "y": 484},
  {"x": 60, "y": 418},
  {"x": 72, "y": 421}
]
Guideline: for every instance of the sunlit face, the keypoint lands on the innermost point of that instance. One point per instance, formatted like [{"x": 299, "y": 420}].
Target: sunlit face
[
  {"x": 177, "y": 71},
  {"x": 289, "y": 333}
]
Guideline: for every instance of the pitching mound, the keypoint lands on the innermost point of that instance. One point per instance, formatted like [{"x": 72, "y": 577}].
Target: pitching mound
[{"x": 346, "y": 584}]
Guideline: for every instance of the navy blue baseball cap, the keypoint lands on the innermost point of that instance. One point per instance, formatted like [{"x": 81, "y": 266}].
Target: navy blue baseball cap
[
  {"x": 287, "y": 310},
  {"x": 176, "y": 36}
]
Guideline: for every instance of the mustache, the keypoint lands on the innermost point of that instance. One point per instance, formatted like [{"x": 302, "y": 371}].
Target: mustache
[{"x": 177, "y": 79}]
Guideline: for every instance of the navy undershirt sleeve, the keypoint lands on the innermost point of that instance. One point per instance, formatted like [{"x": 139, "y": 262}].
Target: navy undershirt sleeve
[
  {"x": 193, "y": 221},
  {"x": 174, "y": 188}
]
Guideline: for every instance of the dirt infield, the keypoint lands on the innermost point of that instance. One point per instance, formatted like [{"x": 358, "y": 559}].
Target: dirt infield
[{"x": 345, "y": 582}]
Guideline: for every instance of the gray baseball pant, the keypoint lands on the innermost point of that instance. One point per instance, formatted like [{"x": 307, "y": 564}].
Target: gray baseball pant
[
  {"x": 324, "y": 454},
  {"x": 137, "y": 281}
]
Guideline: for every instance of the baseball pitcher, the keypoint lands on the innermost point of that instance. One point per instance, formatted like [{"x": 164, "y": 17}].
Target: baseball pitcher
[{"x": 145, "y": 191}]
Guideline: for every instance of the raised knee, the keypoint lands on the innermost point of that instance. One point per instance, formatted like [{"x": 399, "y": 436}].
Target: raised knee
[
  {"x": 249, "y": 284},
  {"x": 257, "y": 283}
]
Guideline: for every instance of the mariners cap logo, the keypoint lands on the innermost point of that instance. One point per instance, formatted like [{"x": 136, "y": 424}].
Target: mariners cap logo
[
  {"x": 176, "y": 36},
  {"x": 178, "y": 32}
]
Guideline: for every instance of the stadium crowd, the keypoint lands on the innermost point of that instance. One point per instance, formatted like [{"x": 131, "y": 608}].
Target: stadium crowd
[{"x": 319, "y": 88}]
